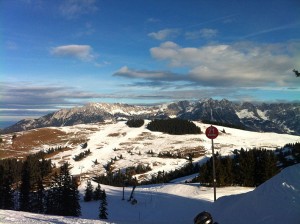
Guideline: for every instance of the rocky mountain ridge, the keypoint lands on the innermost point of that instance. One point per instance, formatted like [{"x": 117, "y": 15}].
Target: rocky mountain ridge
[{"x": 276, "y": 117}]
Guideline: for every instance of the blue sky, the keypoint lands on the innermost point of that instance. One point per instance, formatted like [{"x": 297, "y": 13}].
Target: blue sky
[{"x": 63, "y": 53}]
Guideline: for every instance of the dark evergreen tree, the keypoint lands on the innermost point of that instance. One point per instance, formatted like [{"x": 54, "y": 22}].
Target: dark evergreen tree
[
  {"x": 103, "y": 206},
  {"x": 38, "y": 198},
  {"x": 89, "y": 190},
  {"x": 69, "y": 192},
  {"x": 266, "y": 166},
  {"x": 246, "y": 167},
  {"x": 135, "y": 123},
  {"x": 8, "y": 193},
  {"x": 53, "y": 197},
  {"x": 24, "y": 198},
  {"x": 174, "y": 126},
  {"x": 97, "y": 193},
  {"x": 63, "y": 196},
  {"x": 227, "y": 165},
  {"x": 1, "y": 186}
]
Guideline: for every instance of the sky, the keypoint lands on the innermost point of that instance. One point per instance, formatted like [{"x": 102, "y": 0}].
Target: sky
[{"x": 64, "y": 53}]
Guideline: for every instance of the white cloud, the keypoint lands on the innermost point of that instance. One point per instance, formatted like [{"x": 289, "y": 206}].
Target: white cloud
[
  {"x": 147, "y": 75},
  {"x": 241, "y": 64},
  {"x": 164, "y": 34},
  {"x": 82, "y": 52}
]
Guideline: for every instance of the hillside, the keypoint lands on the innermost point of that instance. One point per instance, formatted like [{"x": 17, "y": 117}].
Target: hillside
[
  {"x": 276, "y": 201},
  {"x": 277, "y": 117},
  {"x": 125, "y": 146}
]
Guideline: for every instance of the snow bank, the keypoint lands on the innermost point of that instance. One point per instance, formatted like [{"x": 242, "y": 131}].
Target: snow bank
[
  {"x": 7, "y": 217},
  {"x": 275, "y": 201}
]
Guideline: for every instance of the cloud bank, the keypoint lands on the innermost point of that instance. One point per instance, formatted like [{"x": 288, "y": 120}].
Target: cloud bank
[{"x": 240, "y": 64}]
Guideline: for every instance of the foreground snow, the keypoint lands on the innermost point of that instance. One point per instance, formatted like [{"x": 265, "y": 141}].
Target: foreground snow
[{"x": 276, "y": 201}]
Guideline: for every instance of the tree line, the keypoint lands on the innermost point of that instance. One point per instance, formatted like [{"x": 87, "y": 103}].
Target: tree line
[
  {"x": 36, "y": 189},
  {"x": 289, "y": 154},
  {"x": 135, "y": 123},
  {"x": 174, "y": 126},
  {"x": 127, "y": 178},
  {"x": 82, "y": 155},
  {"x": 244, "y": 168},
  {"x": 96, "y": 195},
  {"x": 35, "y": 185},
  {"x": 248, "y": 167}
]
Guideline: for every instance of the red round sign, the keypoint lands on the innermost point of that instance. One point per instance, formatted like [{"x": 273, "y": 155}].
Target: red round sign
[{"x": 211, "y": 132}]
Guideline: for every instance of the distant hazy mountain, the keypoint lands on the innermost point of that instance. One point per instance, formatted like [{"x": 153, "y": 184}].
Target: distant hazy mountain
[{"x": 276, "y": 117}]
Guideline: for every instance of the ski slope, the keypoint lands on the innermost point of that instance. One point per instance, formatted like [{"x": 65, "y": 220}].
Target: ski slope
[
  {"x": 111, "y": 140},
  {"x": 276, "y": 201}
]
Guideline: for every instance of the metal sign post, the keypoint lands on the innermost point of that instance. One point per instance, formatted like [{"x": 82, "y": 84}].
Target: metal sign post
[
  {"x": 214, "y": 170},
  {"x": 211, "y": 133}
]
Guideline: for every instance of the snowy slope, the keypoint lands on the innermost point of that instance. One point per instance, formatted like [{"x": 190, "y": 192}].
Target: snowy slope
[
  {"x": 112, "y": 140},
  {"x": 277, "y": 201}
]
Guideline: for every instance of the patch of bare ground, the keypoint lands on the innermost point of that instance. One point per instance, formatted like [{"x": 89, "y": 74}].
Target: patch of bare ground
[
  {"x": 37, "y": 137},
  {"x": 22, "y": 143},
  {"x": 144, "y": 136},
  {"x": 92, "y": 129},
  {"x": 77, "y": 140},
  {"x": 194, "y": 151},
  {"x": 11, "y": 153},
  {"x": 116, "y": 134},
  {"x": 183, "y": 152}
]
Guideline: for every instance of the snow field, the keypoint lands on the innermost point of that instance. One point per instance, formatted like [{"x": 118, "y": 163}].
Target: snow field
[
  {"x": 276, "y": 201},
  {"x": 111, "y": 140}
]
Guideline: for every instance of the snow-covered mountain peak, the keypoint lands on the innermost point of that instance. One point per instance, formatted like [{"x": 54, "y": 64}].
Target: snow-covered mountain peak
[{"x": 280, "y": 118}]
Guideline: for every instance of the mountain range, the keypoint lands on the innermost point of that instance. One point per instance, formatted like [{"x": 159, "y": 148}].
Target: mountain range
[{"x": 275, "y": 117}]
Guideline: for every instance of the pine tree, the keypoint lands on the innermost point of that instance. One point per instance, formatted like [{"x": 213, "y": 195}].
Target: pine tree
[
  {"x": 103, "y": 206},
  {"x": 25, "y": 188},
  {"x": 38, "y": 198},
  {"x": 1, "y": 186},
  {"x": 63, "y": 196},
  {"x": 53, "y": 204},
  {"x": 97, "y": 193},
  {"x": 88, "y": 191},
  {"x": 70, "y": 194},
  {"x": 8, "y": 193},
  {"x": 6, "y": 190}
]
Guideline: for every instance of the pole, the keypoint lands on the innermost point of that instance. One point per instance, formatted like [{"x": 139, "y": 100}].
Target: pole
[{"x": 214, "y": 169}]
